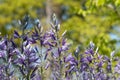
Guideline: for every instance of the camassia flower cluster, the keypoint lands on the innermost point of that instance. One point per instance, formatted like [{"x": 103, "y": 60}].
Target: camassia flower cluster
[
  {"x": 90, "y": 65},
  {"x": 45, "y": 55}
]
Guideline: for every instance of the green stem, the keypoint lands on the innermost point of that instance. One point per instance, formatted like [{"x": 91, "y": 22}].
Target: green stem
[
  {"x": 28, "y": 77},
  {"x": 41, "y": 69},
  {"x": 58, "y": 46}
]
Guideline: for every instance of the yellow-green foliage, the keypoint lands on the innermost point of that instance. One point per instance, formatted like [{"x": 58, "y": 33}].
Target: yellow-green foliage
[
  {"x": 87, "y": 20},
  {"x": 82, "y": 31},
  {"x": 15, "y": 9},
  {"x": 93, "y": 24}
]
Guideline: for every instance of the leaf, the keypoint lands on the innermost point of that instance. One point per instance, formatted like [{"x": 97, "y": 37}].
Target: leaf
[
  {"x": 100, "y": 2},
  {"x": 117, "y": 2}
]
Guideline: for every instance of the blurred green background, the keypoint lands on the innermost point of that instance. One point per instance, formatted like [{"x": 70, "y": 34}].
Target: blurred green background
[{"x": 84, "y": 20}]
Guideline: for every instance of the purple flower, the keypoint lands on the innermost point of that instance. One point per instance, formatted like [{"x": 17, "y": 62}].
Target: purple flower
[
  {"x": 101, "y": 76},
  {"x": 31, "y": 40},
  {"x": 100, "y": 64},
  {"x": 109, "y": 67},
  {"x": 84, "y": 67},
  {"x": 47, "y": 65},
  {"x": 89, "y": 51},
  {"x": 71, "y": 64},
  {"x": 3, "y": 45},
  {"x": 117, "y": 68},
  {"x": 69, "y": 58},
  {"x": 106, "y": 59},
  {"x": 71, "y": 68},
  {"x": 28, "y": 60},
  {"x": 2, "y": 54},
  {"x": 16, "y": 34},
  {"x": 83, "y": 60},
  {"x": 89, "y": 58},
  {"x": 65, "y": 45}
]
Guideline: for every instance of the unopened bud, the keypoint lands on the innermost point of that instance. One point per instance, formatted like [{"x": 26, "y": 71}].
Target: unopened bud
[
  {"x": 19, "y": 22},
  {"x": 37, "y": 22},
  {"x": 58, "y": 28},
  {"x": 96, "y": 51},
  {"x": 54, "y": 17},
  {"x": 92, "y": 45},
  {"x": 112, "y": 53},
  {"x": 64, "y": 33}
]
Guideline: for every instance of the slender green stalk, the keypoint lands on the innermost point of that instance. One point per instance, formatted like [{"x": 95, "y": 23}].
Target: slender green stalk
[{"x": 58, "y": 46}]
